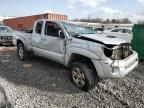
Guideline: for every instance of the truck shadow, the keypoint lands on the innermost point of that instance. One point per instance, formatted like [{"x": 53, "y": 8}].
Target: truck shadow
[{"x": 38, "y": 73}]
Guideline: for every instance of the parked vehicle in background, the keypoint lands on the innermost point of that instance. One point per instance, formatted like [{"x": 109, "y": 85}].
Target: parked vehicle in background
[
  {"x": 88, "y": 55},
  {"x": 122, "y": 33},
  {"x": 99, "y": 30},
  {"x": 6, "y": 35}
]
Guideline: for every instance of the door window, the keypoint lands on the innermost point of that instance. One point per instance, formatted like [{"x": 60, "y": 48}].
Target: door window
[
  {"x": 39, "y": 27},
  {"x": 52, "y": 29}
]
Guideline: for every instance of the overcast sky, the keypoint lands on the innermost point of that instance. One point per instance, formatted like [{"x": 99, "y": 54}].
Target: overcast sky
[{"x": 133, "y": 9}]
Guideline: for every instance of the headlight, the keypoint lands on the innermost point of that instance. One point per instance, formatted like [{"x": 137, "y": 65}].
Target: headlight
[
  {"x": 117, "y": 54},
  {"x": 114, "y": 54}
]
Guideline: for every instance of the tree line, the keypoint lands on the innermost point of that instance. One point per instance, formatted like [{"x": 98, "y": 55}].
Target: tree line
[{"x": 105, "y": 21}]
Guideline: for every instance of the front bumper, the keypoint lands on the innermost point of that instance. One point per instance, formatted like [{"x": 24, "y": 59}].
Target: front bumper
[
  {"x": 119, "y": 68},
  {"x": 6, "y": 41}
]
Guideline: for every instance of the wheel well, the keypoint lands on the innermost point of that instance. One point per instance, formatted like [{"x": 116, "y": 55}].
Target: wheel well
[
  {"x": 19, "y": 41},
  {"x": 83, "y": 59}
]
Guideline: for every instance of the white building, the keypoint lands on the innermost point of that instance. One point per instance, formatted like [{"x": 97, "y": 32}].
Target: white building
[{"x": 99, "y": 25}]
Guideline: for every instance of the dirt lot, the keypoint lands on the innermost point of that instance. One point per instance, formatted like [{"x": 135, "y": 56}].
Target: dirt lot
[{"x": 40, "y": 83}]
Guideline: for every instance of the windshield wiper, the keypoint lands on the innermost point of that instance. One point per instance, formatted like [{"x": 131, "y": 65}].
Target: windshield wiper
[
  {"x": 79, "y": 35},
  {"x": 90, "y": 33},
  {"x": 76, "y": 35}
]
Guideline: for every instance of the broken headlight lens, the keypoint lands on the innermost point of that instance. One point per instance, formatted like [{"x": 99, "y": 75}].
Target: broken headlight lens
[{"x": 117, "y": 54}]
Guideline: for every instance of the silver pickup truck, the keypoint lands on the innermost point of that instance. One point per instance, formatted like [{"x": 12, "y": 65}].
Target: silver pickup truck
[{"x": 88, "y": 55}]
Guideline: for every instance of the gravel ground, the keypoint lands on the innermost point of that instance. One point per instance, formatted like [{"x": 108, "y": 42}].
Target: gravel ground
[{"x": 40, "y": 83}]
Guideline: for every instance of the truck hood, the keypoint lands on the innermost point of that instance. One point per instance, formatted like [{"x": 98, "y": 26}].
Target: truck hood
[{"x": 102, "y": 39}]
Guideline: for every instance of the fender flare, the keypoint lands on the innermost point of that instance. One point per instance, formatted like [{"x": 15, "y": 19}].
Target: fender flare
[{"x": 89, "y": 54}]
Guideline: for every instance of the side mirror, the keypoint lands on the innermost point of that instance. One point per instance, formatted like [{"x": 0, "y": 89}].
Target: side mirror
[{"x": 61, "y": 34}]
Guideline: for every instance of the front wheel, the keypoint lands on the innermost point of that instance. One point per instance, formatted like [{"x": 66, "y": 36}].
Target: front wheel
[{"x": 82, "y": 76}]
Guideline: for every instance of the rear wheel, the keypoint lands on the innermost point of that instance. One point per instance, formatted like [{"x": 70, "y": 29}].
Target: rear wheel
[
  {"x": 22, "y": 54},
  {"x": 82, "y": 76}
]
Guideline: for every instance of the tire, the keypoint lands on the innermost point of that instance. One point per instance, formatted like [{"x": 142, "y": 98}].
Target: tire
[
  {"x": 85, "y": 77},
  {"x": 21, "y": 52}
]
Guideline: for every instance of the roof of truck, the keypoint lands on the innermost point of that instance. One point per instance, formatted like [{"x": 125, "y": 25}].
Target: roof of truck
[{"x": 57, "y": 21}]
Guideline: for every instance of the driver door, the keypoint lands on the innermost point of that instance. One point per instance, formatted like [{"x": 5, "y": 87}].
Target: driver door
[{"x": 52, "y": 45}]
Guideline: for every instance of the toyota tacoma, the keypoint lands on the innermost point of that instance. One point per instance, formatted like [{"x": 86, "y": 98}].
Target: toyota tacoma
[{"x": 88, "y": 55}]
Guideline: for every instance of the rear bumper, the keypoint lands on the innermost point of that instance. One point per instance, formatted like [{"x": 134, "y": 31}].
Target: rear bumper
[{"x": 119, "y": 68}]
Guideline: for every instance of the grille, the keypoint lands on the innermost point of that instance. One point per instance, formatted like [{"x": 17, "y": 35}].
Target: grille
[
  {"x": 125, "y": 50},
  {"x": 6, "y": 38}
]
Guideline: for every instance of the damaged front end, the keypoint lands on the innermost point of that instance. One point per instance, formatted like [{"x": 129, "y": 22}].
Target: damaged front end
[
  {"x": 118, "y": 52},
  {"x": 121, "y": 60}
]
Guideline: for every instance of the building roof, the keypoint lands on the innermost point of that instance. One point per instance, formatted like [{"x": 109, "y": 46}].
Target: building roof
[{"x": 4, "y": 17}]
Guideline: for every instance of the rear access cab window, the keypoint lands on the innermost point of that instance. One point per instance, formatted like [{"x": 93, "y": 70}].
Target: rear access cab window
[{"x": 39, "y": 26}]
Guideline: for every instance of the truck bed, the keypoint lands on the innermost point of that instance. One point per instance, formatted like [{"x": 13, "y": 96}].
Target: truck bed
[{"x": 26, "y": 37}]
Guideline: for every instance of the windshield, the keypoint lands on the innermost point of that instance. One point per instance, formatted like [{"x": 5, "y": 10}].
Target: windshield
[{"x": 74, "y": 29}]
